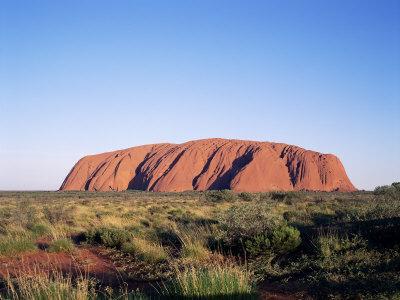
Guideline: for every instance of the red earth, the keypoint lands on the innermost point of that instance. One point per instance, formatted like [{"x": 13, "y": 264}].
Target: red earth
[{"x": 93, "y": 262}]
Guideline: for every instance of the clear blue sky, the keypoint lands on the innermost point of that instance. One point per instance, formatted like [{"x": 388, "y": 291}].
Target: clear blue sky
[{"x": 82, "y": 77}]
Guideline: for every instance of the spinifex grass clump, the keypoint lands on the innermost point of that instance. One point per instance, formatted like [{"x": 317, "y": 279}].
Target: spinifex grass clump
[
  {"x": 11, "y": 245},
  {"x": 145, "y": 250},
  {"x": 61, "y": 245},
  {"x": 218, "y": 281},
  {"x": 109, "y": 237},
  {"x": 194, "y": 250},
  {"x": 51, "y": 285},
  {"x": 38, "y": 229},
  {"x": 194, "y": 243},
  {"x": 34, "y": 283}
]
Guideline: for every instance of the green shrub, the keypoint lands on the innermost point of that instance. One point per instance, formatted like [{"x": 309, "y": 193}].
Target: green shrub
[
  {"x": 285, "y": 239},
  {"x": 297, "y": 217},
  {"x": 219, "y": 281},
  {"x": 14, "y": 245},
  {"x": 279, "y": 196},
  {"x": 181, "y": 216},
  {"x": 220, "y": 196},
  {"x": 168, "y": 237},
  {"x": 247, "y": 196},
  {"x": 392, "y": 190},
  {"x": 280, "y": 240},
  {"x": 288, "y": 197},
  {"x": 331, "y": 244},
  {"x": 59, "y": 214},
  {"x": 27, "y": 213},
  {"x": 39, "y": 229},
  {"x": 259, "y": 245},
  {"x": 247, "y": 220},
  {"x": 109, "y": 237},
  {"x": 61, "y": 245}
]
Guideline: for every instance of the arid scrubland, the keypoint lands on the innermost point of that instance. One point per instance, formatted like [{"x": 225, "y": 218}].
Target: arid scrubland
[{"x": 216, "y": 244}]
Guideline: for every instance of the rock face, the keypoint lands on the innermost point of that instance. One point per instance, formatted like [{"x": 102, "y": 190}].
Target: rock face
[{"x": 207, "y": 165}]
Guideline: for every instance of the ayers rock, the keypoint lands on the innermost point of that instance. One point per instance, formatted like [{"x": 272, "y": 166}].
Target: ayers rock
[{"x": 207, "y": 165}]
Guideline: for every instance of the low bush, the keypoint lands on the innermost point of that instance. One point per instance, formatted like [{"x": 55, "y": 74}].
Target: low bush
[
  {"x": 109, "y": 237},
  {"x": 285, "y": 239},
  {"x": 220, "y": 196},
  {"x": 259, "y": 245},
  {"x": 27, "y": 214},
  {"x": 168, "y": 237},
  {"x": 392, "y": 190},
  {"x": 298, "y": 217},
  {"x": 279, "y": 196},
  {"x": 248, "y": 196},
  {"x": 241, "y": 222},
  {"x": 331, "y": 244},
  {"x": 266, "y": 250},
  {"x": 181, "y": 216},
  {"x": 59, "y": 214},
  {"x": 287, "y": 197},
  {"x": 280, "y": 240}
]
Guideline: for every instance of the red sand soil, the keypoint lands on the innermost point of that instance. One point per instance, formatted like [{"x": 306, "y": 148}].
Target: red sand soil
[
  {"x": 83, "y": 261},
  {"x": 210, "y": 164},
  {"x": 91, "y": 262}
]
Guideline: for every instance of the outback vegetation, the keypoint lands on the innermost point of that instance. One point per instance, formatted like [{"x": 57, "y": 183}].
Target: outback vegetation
[{"x": 216, "y": 244}]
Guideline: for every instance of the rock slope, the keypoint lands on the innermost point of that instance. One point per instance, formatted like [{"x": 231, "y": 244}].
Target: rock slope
[{"x": 209, "y": 164}]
